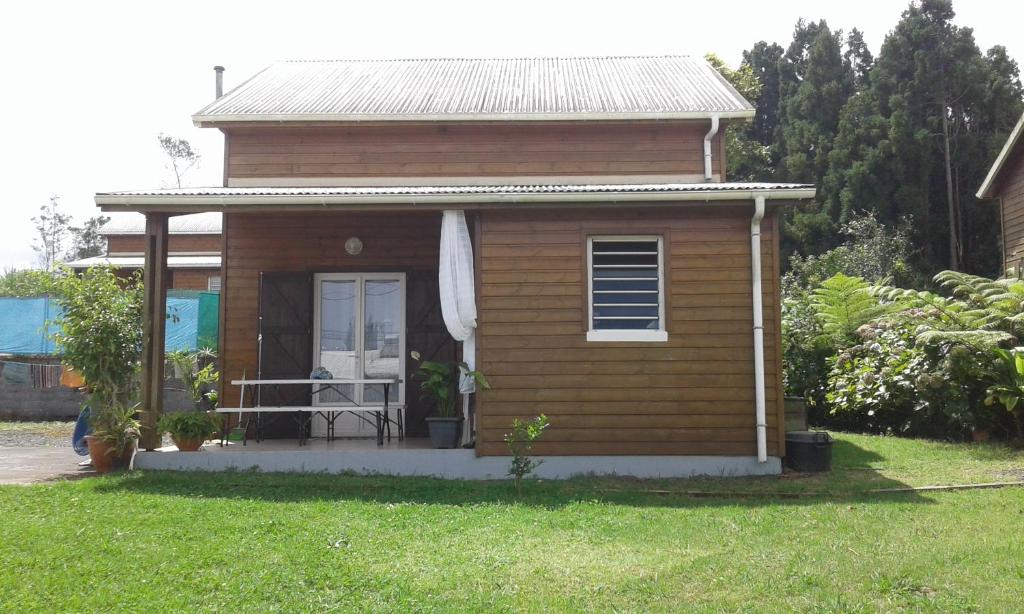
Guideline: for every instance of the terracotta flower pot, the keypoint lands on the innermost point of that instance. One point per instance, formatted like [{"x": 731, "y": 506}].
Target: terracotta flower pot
[
  {"x": 979, "y": 435},
  {"x": 102, "y": 460},
  {"x": 187, "y": 445}
]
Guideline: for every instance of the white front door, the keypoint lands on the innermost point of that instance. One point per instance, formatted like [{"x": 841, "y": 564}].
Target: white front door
[{"x": 359, "y": 333}]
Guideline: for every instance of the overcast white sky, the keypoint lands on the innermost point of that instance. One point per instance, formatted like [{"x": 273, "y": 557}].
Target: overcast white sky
[{"x": 89, "y": 85}]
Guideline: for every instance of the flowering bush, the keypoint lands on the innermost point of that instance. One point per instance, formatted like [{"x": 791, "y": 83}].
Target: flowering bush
[{"x": 892, "y": 383}]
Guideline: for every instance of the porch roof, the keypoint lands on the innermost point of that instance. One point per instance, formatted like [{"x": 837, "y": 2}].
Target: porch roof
[{"x": 185, "y": 200}]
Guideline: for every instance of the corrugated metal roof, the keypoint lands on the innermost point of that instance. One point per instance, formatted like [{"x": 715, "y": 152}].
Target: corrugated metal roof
[
  {"x": 658, "y": 87},
  {"x": 135, "y": 224},
  {"x": 385, "y": 191},
  {"x": 987, "y": 186},
  {"x": 136, "y": 262}
]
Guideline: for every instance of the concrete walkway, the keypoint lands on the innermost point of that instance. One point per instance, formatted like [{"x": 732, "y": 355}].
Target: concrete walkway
[{"x": 34, "y": 464}]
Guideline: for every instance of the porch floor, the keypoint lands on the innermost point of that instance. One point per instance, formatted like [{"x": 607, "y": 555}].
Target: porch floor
[{"x": 415, "y": 457}]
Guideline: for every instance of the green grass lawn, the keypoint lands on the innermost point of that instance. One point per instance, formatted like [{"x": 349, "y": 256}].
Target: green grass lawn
[{"x": 249, "y": 542}]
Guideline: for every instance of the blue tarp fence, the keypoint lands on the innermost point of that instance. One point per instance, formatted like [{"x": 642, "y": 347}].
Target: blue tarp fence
[{"x": 26, "y": 324}]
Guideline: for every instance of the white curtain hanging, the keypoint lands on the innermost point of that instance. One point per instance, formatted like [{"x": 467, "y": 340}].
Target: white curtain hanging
[{"x": 458, "y": 298}]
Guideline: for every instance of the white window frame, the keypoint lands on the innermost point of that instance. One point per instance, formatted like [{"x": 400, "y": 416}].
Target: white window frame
[
  {"x": 360, "y": 280},
  {"x": 627, "y": 335}
]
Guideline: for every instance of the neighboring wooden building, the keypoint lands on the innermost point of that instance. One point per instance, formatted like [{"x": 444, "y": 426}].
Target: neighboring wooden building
[
  {"x": 616, "y": 290},
  {"x": 1005, "y": 183},
  {"x": 193, "y": 259}
]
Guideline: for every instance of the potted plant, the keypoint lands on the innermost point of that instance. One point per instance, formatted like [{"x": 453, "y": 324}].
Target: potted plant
[
  {"x": 115, "y": 432},
  {"x": 199, "y": 381},
  {"x": 189, "y": 429},
  {"x": 439, "y": 381},
  {"x": 100, "y": 336}
]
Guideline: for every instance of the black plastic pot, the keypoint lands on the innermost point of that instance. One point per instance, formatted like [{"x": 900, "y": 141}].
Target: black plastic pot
[
  {"x": 444, "y": 432},
  {"x": 809, "y": 451}
]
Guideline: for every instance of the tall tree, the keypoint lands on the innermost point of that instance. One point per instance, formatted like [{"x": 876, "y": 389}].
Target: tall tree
[
  {"x": 917, "y": 142},
  {"x": 763, "y": 59},
  {"x": 52, "y": 227},
  {"x": 181, "y": 157},
  {"x": 858, "y": 59},
  {"x": 811, "y": 103},
  {"x": 86, "y": 240}
]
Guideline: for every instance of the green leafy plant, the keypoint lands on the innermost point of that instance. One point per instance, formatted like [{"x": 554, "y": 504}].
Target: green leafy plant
[
  {"x": 1008, "y": 386},
  {"x": 199, "y": 381},
  {"x": 843, "y": 304},
  {"x": 115, "y": 425},
  {"x": 100, "y": 333},
  {"x": 190, "y": 424},
  {"x": 520, "y": 443},
  {"x": 440, "y": 381}
]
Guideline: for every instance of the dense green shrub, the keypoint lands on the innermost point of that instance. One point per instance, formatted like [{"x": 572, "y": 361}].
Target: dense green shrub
[{"x": 891, "y": 383}]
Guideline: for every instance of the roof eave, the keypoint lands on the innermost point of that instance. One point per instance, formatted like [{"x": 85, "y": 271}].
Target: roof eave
[
  {"x": 216, "y": 120},
  {"x": 191, "y": 203},
  {"x": 987, "y": 189}
]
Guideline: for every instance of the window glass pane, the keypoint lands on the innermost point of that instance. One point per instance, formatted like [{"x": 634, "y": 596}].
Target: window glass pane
[
  {"x": 612, "y": 311},
  {"x": 650, "y": 260},
  {"x": 620, "y": 285},
  {"x": 651, "y": 273},
  {"x": 606, "y": 298},
  {"x": 337, "y": 337},
  {"x": 625, "y": 324},
  {"x": 626, "y": 246}
]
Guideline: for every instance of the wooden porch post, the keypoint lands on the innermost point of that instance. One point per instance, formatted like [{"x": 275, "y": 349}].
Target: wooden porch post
[{"x": 154, "y": 319}]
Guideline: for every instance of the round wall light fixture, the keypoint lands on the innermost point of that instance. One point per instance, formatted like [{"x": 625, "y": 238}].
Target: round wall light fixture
[{"x": 353, "y": 247}]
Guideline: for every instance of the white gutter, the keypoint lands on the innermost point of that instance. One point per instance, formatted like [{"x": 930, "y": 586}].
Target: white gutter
[
  {"x": 208, "y": 202},
  {"x": 707, "y": 147},
  {"x": 755, "y": 263},
  {"x": 201, "y": 120}
]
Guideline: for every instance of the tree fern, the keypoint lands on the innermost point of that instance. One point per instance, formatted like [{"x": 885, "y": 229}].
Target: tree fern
[{"x": 843, "y": 304}]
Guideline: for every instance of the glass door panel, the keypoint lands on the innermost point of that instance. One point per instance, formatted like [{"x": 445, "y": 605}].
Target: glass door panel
[
  {"x": 339, "y": 353},
  {"x": 382, "y": 336}
]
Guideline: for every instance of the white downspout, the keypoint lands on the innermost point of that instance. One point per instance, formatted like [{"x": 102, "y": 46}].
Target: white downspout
[
  {"x": 755, "y": 263},
  {"x": 707, "y": 147}
]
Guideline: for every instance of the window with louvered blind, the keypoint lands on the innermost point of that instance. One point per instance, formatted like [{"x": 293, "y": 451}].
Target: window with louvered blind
[{"x": 626, "y": 288}]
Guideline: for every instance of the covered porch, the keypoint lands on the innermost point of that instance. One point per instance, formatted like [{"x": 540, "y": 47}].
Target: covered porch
[{"x": 342, "y": 295}]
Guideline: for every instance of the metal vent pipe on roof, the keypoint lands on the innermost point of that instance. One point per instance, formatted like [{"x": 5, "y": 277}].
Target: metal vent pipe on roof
[{"x": 219, "y": 70}]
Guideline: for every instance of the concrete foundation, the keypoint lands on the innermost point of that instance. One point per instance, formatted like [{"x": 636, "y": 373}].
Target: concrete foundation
[{"x": 413, "y": 458}]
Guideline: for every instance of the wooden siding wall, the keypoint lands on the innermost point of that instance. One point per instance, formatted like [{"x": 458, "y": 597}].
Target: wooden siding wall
[
  {"x": 192, "y": 279},
  {"x": 178, "y": 243},
  {"x": 691, "y": 395},
  {"x": 403, "y": 242},
  {"x": 470, "y": 150},
  {"x": 1012, "y": 198}
]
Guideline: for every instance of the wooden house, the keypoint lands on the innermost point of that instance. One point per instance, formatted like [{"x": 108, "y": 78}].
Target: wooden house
[
  {"x": 1005, "y": 183},
  {"x": 193, "y": 256},
  {"x": 623, "y": 286}
]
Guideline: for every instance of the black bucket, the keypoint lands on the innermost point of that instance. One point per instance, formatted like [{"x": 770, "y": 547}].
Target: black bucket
[{"x": 809, "y": 451}]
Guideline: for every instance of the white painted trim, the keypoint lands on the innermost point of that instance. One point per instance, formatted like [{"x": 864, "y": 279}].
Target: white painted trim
[
  {"x": 654, "y": 336},
  {"x": 455, "y": 464},
  {"x": 194, "y": 203},
  {"x": 329, "y": 182},
  {"x": 659, "y": 335},
  {"x": 985, "y": 191},
  {"x": 213, "y": 120}
]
